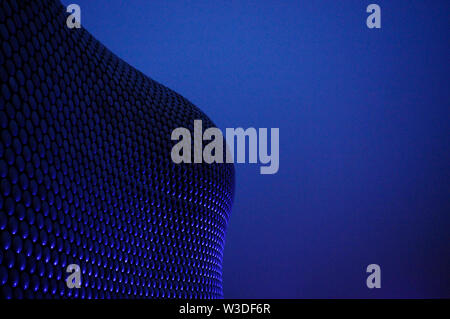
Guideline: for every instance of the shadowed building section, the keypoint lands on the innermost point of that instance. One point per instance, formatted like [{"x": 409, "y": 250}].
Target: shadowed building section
[{"x": 86, "y": 172}]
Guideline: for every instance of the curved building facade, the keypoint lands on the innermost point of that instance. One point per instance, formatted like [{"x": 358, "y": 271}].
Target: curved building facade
[{"x": 86, "y": 172}]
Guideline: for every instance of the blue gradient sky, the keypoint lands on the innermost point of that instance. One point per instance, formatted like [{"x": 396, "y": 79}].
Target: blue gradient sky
[{"x": 364, "y": 133}]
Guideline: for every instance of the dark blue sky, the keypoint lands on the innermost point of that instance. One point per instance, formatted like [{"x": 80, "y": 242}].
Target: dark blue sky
[{"x": 364, "y": 133}]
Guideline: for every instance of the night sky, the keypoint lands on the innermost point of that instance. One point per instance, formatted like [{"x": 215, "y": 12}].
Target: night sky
[{"x": 364, "y": 133}]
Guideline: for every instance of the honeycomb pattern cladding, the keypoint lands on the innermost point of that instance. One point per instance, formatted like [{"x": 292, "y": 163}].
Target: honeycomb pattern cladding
[{"x": 86, "y": 174}]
